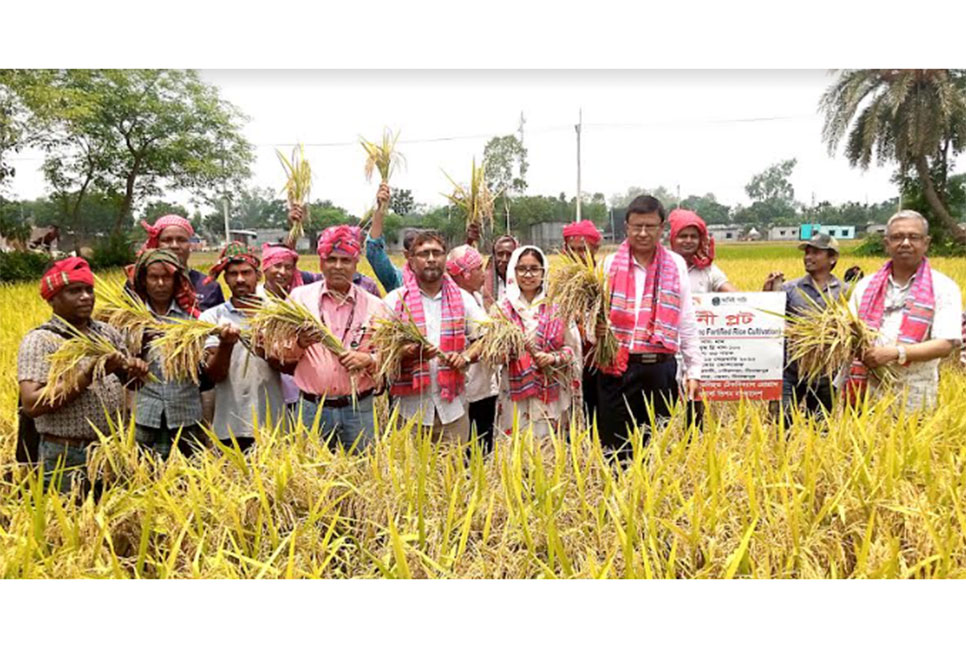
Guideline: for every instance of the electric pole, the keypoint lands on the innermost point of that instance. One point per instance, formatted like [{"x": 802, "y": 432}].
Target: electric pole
[{"x": 578, "y": 127}]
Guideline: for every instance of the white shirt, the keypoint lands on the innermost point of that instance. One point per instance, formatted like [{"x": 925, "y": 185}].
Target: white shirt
[
  {"x": 688, "y": 327},
  {"x": 252, "y": 388},
  {"x": 429, "y": 404},
  {"x": 707, "y": 280},
  {"x": 481, "y": 381},
  {"x": 920, "y": 378}
]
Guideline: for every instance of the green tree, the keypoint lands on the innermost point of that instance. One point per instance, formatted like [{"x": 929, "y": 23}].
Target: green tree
[
  {"x": 14, "y": 133},
  {"x": 142, "y": 131},
  {"x": 773, "y": 183},
  {"x": 505, "y": 159},
  {"x": 708, "y": 208},
  {"x": 667, "y": 197},
  {"x": 159, "y": 208},
  {"x": 916, "y": 118},
  {"x": 255, "y": 208}
]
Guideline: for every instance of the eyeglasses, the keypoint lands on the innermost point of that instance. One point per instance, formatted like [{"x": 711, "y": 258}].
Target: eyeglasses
[
  {"x": 913, "y": 238},
  {"x": 533, "y": 271},
  {"x": 637, "y": 229},
  {"x": 426, "y": 254}
]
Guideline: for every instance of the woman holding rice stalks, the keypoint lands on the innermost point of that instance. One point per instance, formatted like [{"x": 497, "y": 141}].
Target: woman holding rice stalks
[
  {"x": 86, "y": 395},
  {"x": 170, "y": 405},
  {"x": 334, "y": 365},
  {"x": 536, "y": 387}
]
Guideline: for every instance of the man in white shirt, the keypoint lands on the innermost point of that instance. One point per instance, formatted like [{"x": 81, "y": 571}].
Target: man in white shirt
[
  {"x": 652, "y": 318},
  {"x": 248, "y": 388},
  {"x": 916, "y": 310},
  {"x": 432, "y": 386},
  {"x": 465, "y": 265}
]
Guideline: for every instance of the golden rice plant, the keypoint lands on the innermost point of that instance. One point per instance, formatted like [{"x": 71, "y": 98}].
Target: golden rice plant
[
  {"x": 277, "y": 323},
  {"x": 298, "y": 183},
  {"x": 125, "y": 311},
  {"x": 581, "y": 291},
  {"x": 382, "y": 156},
  {"x": 390, "y": 335},
  {"x": 502, "y": 339},
  {"x": 71, "y": 361},
  {"x": 180, "y": 346},
  {"x": 475, "y": 199},
  {"x": 825, "y": 340}
]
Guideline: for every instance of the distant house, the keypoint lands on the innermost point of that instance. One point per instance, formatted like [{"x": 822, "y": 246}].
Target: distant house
[
  {"x": 752, "y": 235},
  {"x": 875, "y": 228},
  {"x": 783, "y": 233},
  {"x": 842, "y": 232},
  {"x": 725, "y": 232}
]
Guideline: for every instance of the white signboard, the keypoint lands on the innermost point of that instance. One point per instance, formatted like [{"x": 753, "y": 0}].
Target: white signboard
[{"x": 743, "y": 346}]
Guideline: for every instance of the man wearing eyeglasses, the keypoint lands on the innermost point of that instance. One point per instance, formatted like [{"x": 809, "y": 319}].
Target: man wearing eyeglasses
[
  {"x": 652, "y": 317},
  {"x": 917, "y": 312},
  {"x": 431, "y": 386}
]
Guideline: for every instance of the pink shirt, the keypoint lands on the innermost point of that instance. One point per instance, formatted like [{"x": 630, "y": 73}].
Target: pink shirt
[{"x": 319, "y": 370}]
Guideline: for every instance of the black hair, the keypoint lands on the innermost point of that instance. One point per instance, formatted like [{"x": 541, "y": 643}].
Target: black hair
[
  {"x": 645, "y": 205},
  {"x": 408, "y": 239},
  {"x": 534, "y": 252},
  {"x": 429, "y": 235}
]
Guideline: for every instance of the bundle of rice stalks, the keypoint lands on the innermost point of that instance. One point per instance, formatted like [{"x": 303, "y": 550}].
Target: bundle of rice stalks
[
  {"x": 390, "y": 336},
  {"x": 475, "y": 200},
  {"x": 125, "y": 311},
  {"x": 382, "y": 156},
  {"x": 502, "y": 340},
  {"x": 70, "y": 362},
  {"x": 298, "y": 183},
  {"x": 277, "y": 323},
  {"x": 180, "y": 346},
  {"x": 824, "y": 340},
  {"x": 581, "y": 292}
]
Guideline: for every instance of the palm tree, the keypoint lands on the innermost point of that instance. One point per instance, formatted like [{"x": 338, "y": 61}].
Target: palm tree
[{"x": 915, "y": 117}]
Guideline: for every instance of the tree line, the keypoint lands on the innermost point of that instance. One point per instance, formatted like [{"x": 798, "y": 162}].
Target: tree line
[{"x": 116, "y": 141}]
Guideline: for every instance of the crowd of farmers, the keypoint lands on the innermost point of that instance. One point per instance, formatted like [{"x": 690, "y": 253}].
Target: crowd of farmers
[{"x": 448, "y": 294}]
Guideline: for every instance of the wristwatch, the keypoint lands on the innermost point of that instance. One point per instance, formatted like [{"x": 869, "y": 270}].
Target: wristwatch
[{"x": 901, "y": 360}]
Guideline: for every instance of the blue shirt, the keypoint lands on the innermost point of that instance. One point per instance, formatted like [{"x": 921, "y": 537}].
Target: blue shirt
[
  {"x": 388, "y": 275},
  {"x": 208, "y": 294}
]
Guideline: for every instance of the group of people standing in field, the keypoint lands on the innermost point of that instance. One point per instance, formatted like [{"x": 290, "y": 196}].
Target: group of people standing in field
[{"x": 448, "y": 294}]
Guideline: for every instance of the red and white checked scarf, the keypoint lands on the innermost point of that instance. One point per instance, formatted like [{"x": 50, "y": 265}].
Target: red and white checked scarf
[
  {"x": 917, "y": 316},
  {"x": 414, "y": 377},
  {"x": 656, "y": 328}
]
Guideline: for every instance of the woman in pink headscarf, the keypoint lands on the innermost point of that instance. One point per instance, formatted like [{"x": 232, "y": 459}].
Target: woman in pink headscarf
[{"x": 690, "y": 239}]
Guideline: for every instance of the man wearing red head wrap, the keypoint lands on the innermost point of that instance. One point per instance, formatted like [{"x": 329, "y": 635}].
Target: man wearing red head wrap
[
  {"x": 690, "y": 239},
  {"x": 581, "y": 238},
  {"x": 465, "y": 265},
  {"x": 64, "y": 427},
  {"x": 339, "y": 387},
  {"x": 173, "y": 232}
]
